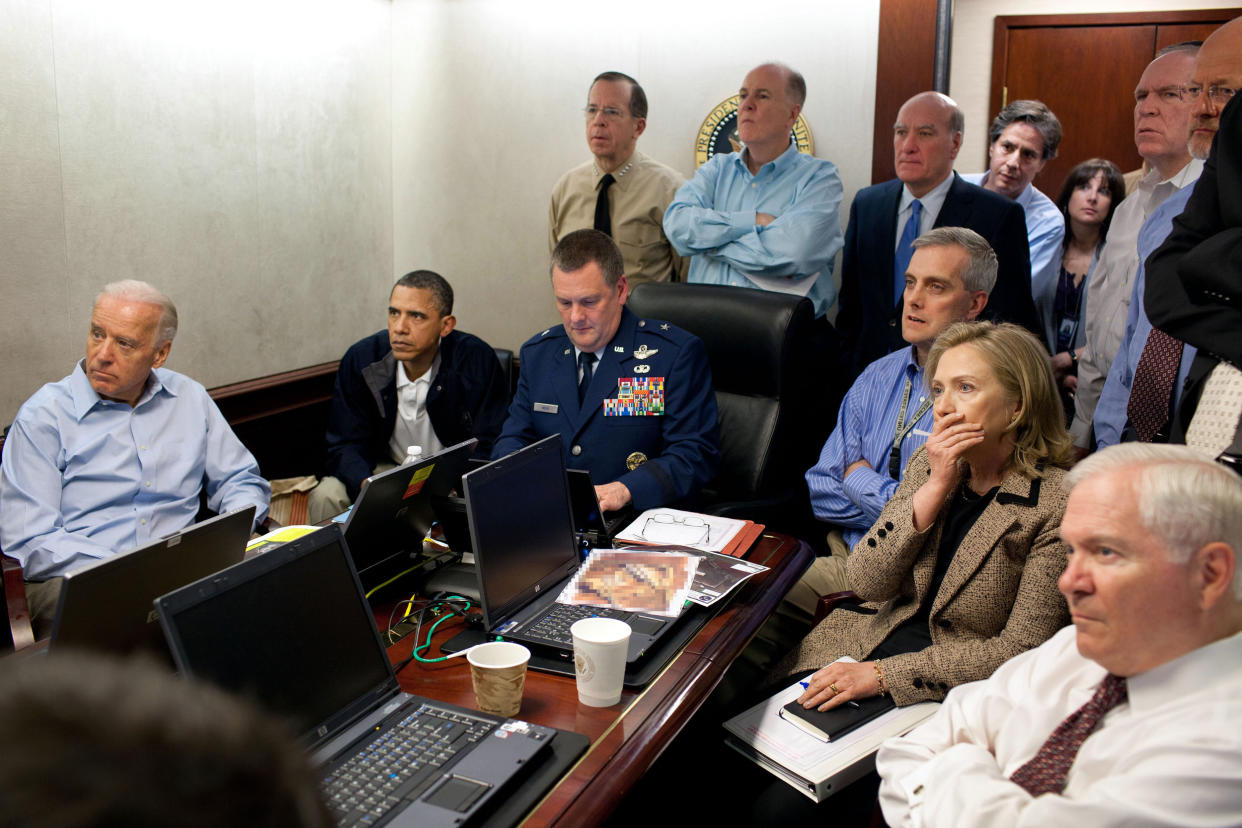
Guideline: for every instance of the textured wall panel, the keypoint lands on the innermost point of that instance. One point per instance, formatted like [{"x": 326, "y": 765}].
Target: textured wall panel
[
  {"x": 237, "y": 155},
  {"x": 487, "y": 101}
]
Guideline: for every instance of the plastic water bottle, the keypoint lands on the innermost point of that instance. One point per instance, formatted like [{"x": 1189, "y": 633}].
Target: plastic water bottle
[{"x": 413, "y": 454}]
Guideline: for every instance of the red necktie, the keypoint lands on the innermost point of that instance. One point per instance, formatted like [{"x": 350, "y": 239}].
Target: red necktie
[
  {"x": 1047, "y": 769},
  {"x": 1152, "y": 389}
]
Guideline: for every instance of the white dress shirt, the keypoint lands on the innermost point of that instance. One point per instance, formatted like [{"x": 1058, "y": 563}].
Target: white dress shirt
[
  {"x": 1170, "y": 755},
  {"x": 1112, "y": 283},
  {"x": 932, "y": 201},
  {"x": 413, "y": 424}
]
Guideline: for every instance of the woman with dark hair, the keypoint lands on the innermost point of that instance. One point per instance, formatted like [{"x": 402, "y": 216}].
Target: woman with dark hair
[{"x": 1091, "y": 193}]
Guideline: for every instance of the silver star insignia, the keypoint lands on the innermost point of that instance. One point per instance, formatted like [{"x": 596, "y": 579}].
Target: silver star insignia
[{"x": 664, "y": 327}]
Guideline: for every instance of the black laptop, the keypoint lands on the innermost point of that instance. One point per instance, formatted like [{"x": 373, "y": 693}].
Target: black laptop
[
  {"x": 594, "y": 526},
  {"x": 522, "y": 532},
  {"x": 395, "y": 510},
  {"x": 312, "y": 655},
  {"x": 108, "y": 605}
]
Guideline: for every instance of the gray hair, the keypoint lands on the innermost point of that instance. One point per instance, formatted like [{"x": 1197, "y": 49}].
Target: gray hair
[
  {"x": 638, "y": 98},
  {"x": 795, "y": 84},
  {"x": 1035, "y": 113},
  {"x": 1184, "y": 499},
  {"x": 137, "y": 291},
  {"x": 980, "y": 272},
  {"x": 1188, "y": 46}
]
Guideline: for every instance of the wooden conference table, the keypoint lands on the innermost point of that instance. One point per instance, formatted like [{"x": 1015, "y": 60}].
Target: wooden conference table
[{"x": 627, "y": 737}]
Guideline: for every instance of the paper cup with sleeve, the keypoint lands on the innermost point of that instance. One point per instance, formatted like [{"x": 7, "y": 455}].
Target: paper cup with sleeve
[
  {"x": 498, "y": 672},
  {"x": 600, "y": 646}
]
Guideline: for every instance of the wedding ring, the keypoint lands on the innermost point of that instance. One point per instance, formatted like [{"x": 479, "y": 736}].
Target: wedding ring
[{"x": 833, "y": 688}]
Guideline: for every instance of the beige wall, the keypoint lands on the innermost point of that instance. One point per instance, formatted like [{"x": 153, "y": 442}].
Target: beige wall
[
  {"x": 274, "y": 164},
  {"x": 487, "y": 99},
  {"x": 970, "y": 68},
  {"x": 236, "y": 154}
]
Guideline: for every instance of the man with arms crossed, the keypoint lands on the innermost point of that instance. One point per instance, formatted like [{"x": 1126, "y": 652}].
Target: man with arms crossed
[
  {"x": 420, "y": 383},
  {"x": 631, "y": 398},
  {"x": 1128, "y": 717},
  {"x": 114, "y": 455},
  {"x": 768, "y": 216},
  {"x": 621, "y": 192},
  {"x": 887, "y": 414}
]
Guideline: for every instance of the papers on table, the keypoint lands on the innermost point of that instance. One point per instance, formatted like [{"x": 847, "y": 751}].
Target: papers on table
[
  {"x": 673, "y": 527},
  {"x": 644, "y": 580}
]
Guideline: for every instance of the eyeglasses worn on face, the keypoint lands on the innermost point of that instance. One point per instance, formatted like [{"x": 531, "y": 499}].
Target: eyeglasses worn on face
[
  {"x": 1219, "y": 95},
  {"x": 611, "y": 113}
]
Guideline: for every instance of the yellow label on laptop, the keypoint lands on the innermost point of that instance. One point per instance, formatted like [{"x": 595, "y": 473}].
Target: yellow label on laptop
[{"x": 417, "y": 481}]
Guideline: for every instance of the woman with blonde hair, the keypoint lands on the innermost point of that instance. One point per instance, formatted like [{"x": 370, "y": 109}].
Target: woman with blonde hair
[{"x": 959, "y": 574}]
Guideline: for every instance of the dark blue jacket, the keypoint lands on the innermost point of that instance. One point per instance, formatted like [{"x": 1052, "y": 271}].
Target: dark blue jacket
[
  {"x": 467, "y": 399},
  {"x": 681, "y": 446},
  {"x": 869, "y": 318}
]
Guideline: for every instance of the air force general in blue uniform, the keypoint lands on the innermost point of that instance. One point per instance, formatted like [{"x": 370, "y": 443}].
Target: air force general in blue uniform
[{"x": 648, "y": 417}]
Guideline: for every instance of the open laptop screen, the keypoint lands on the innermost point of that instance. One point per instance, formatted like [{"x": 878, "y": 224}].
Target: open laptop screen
[
  {"x": 521, "y": 526},
  {"x": 289, "y": 629}
]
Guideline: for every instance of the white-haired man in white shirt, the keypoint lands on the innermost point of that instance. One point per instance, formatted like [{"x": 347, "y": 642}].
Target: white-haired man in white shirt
[{"x": 1132, "y": 715}]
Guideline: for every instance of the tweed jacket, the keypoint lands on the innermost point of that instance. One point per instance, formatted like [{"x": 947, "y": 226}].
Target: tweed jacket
[{"x": 998, "y": 597}]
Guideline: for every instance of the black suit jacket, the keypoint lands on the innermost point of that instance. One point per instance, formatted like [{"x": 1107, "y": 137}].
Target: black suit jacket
[
  {"x": 869, "y": 318},
  {"x": 1194, "y": 279}
]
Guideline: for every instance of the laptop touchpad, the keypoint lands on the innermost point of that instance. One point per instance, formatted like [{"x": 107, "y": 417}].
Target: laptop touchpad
[
  {"x": 646, "y": 625},
  {"x": 457, "y": 793}
]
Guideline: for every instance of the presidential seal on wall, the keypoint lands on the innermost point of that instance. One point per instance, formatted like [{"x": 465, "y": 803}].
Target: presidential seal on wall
[{"x": 719, "y": 133}]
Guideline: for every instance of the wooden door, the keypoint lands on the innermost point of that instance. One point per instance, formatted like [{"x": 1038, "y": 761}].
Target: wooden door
[{"x": 1085, "y": 68}]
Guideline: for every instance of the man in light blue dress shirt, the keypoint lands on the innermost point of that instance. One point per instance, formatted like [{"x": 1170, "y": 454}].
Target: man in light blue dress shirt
[
  {"x": 948, "y": 280},
  {"x": 1110, "y": 411},
  {"x": 114, "y": 455},
  {"x": 1217, "y": 64},
  {"x": 768, "y": 216},
  {"x": 1024, "y": 137}
]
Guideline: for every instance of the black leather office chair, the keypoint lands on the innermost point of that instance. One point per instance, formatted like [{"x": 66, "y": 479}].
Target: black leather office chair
[
  {"x": 505, "y": 357},
  {"x": 764, "y": 370}
]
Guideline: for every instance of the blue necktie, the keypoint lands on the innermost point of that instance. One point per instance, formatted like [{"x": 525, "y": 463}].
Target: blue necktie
[{"x": 905, "y": 249}]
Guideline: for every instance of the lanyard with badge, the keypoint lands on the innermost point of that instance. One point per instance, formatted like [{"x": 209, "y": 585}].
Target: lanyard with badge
[{"x": 904, "y": 428}]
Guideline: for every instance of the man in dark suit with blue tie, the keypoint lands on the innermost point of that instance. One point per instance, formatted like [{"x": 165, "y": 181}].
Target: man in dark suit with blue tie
[
  {"x": 885, "y": 219},
  {"x": 631, "y": 398}
]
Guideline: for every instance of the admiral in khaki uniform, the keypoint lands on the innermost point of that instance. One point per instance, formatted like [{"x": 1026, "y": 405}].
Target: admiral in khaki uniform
[{"x": 631, "y": 398}]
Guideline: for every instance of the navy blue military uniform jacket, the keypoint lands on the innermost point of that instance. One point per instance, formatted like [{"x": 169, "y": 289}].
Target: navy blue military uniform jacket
[
  {"x": 467, "y": 399},
  {"x": 869, "y": 319},
  {"x": 650, "y": 402}
]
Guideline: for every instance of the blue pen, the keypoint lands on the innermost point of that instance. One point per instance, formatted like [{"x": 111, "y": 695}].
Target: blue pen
[{"x": 806, "y": 685}]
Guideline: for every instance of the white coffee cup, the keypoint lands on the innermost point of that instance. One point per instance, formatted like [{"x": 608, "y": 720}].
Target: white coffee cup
[
  {"x": 498, "y": 672},
  {"x": 600, "y": 646}
]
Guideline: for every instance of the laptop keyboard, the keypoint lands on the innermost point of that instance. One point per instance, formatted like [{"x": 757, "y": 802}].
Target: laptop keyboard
[
  {"x": 400, "y": 764},
  {"x": 554, "y": 626}
]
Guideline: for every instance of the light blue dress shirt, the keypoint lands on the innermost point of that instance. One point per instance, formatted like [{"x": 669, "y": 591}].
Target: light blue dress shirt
[
  {"x": 84, "y": 478},
  {"x": 712, "y": 218},
  {"x": 1045, "y": 232},
  {"x": 1110, "y": 411},
  {"x": 865, "y": 430}
]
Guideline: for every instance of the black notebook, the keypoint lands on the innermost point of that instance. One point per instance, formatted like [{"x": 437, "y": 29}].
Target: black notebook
[{"x": 840, "y": 720}]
